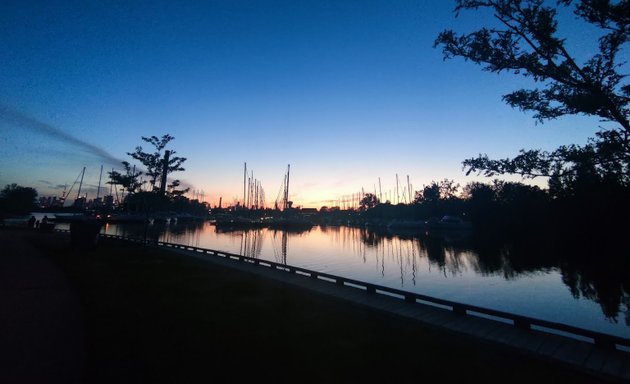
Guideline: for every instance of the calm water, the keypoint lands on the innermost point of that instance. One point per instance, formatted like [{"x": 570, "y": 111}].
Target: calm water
[{"x": 522, "y": 279}]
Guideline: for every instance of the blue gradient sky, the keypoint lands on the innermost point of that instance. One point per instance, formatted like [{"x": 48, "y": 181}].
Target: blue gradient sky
[{"x": 344, "y": 91}]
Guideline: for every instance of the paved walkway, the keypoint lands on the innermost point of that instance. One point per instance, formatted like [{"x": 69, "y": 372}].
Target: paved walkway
[
  {"x": 585, "y": 356},
  {"x": 40, "y": 322}
]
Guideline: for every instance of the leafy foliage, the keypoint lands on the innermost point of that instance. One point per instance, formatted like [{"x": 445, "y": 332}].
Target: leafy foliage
[
  {"x": 173, "y": 192},
  {"x": 368, "y": 201},
  {"x": 128, "y": 180},
  {"x": 527, "y": 43},
  {"x": 154, "y": 162},
  {"x": 435, "y": 191},
  {"x": 603, "y": 161},
  {"x": 166, "y": 196},
  {"x": 17, "y": 199}
]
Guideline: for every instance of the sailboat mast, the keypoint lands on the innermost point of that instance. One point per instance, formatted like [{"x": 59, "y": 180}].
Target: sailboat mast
[
  {"x": 244, "y": 183},
  {"x": 98, "y": 191},
  {"x": 286, "y": 188},
  {"x": 397, "y": 193},
  {"x": 81, "y": 182}
]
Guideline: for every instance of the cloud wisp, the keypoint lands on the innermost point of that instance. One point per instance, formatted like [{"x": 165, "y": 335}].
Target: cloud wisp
[{"x": 29, "y": 123}]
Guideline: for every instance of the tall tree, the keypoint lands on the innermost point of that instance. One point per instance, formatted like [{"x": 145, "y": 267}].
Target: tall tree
[
  {"x": 527, "y": 43},
  {"x": 159, "y": 163}
]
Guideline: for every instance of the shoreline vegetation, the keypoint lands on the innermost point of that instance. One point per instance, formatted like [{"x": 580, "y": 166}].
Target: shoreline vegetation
[{"x": 153, "y": 316}]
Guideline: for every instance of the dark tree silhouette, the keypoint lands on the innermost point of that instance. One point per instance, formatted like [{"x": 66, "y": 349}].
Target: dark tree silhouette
[
  {"x": 17, "y": 199},
  {"x": 154, "y": 162},
  {"x": 430, "y": 193},
  {"x": 527, "y": 43},
  {"x": 128, "y": 180},
  {"x": 368, "y": 201},
  {"x": 173, "y": 192},
  {"x": 435, "y": 191}
]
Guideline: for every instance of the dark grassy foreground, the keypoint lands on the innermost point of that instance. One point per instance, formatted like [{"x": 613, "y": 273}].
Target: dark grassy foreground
[{"x": 154, "y": 316}]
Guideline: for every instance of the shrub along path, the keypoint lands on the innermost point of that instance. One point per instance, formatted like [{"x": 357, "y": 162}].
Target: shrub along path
[{"x": 148, "y": 315}]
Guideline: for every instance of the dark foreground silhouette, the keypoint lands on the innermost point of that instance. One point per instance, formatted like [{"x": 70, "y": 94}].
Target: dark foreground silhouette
[{"x": 153, "y": 316}]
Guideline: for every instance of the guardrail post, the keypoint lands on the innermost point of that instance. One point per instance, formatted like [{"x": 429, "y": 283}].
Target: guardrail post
[
  {"x": 459, "y": 310},
  {"x": 522, "y": 324},
  {"x": 339, "y": 281},
  {"x": 604, "y": 342},
  {"x": 370, "y": 289},
  {"x": 409, "y": 298},
  {"x": 314, "y": 275}
]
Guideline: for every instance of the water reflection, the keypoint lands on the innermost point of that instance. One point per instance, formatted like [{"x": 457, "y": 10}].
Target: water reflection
[
  {"x": 252, "y": 240},
  {"x": 604, "y": 283},
  {"x": 449, "y": 263},
  {"x": 446, "y": 253},
  {"x": 597, "y": 274},
  {"x": 182, "y": 232}
]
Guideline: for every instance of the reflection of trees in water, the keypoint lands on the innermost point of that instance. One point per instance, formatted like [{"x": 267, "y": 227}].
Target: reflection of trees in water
[
  {"x": 588, "y": 272},
  {"x": 608, "y": 291},
  {"x": 448, "y": 258},
  {"x": 596, "y": 272},
  {"x": 591, "y": 270},
  {"x": 406, "y": 254},
  {"x": 186, "y": 232},
  {"x": 405, "y": 250}
]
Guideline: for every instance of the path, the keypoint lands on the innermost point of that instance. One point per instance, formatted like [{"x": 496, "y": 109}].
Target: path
[{"x": 40, "y": 321}]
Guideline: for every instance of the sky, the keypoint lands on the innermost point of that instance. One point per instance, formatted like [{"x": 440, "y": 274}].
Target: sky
[{"x": 346, "y": 92}]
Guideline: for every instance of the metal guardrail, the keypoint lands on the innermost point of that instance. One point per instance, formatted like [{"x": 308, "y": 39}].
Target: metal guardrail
[{"x": 524, "y": 322}]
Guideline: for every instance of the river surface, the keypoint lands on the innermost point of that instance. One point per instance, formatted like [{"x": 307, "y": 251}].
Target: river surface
[{"x": 522, "y": 279}]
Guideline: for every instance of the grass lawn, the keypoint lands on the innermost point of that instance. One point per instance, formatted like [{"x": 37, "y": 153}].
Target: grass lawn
[{"x": 155, "y": 316}]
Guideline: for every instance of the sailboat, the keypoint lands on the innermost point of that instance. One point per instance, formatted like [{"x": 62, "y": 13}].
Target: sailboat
[
  {"x": 78, "y": 205},
  {"x": 289, "y": 218}
]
